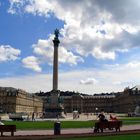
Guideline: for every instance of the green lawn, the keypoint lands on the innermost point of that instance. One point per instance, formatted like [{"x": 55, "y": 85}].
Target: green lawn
[
  {"x": 23, "y": 125},
  {"x": 130, "y": 120},
  {"x": 117, "y": 137},
  {"x": 120, "y": 137}
]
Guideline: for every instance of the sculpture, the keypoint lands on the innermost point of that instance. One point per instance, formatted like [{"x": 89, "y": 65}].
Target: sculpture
[{"x": 56, "y": 32}]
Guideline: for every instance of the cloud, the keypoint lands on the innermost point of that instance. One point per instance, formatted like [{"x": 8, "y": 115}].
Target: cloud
[
  {"x": 31, "y": 62},
  {"x": 40, "y": 8},
  {"x": 89, "y": 81},
  {"x": 125, "y": 11},
  {"x": 32, "y": 83},
  {"x": 134, "y": 64},
  {"x": 124, "y": 83},
  {"x": 97, "y": 28},
  {"x": 103, "y": 55},
  {"x": 117, "y": 82},
  {"x": 44, "y": 49},
  {"x": 8, "y": 53},
  {"x": 112, "y": 78},
  {"x": 123, "y": 74},
  {"x": 100, "y": 29},
  {"x": 15, "y": 6}
]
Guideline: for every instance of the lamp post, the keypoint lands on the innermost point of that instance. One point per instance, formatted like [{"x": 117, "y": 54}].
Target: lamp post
[{"x": 96, "y": 110}]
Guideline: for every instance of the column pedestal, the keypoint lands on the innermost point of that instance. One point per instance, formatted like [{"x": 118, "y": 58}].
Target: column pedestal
[{"x": 53, "y": 107}]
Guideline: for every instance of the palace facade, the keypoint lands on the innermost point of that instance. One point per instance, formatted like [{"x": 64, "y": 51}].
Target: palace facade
[
  {"x": 88, "y": 104},
  {"x": 121, "y": 102},
  {"x": 127, "y": 101},
  {"x": 16, "y": 100},
  {"x": 81, "y": 102}
]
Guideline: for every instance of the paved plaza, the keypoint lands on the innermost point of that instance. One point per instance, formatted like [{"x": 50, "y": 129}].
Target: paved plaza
[
  {"x": 83, "y": 132},
  {"x": 72, "y": 131}
]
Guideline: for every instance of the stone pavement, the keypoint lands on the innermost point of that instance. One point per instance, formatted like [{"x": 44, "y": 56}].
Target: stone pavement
[
  {"x": 81, "y": 132},
  {"x": 69, "y": 131}
]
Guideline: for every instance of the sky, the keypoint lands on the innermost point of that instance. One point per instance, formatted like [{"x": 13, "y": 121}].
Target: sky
[{"x": 99, "y": 47}]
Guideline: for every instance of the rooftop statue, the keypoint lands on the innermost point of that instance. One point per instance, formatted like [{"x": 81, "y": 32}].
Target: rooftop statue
[{"x": 56, "y": 32}]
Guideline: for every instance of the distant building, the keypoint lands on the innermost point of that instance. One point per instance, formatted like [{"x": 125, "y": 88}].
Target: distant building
[
  {"x": 122, "y": 102},
  {"x": 16, "y": 100},
  {"x": 127, "y": 101}
]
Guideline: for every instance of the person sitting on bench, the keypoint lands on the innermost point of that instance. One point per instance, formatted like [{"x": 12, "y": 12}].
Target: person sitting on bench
[
  {"x": 102, "y": 118},
  {"x": 113, "y": 118}
]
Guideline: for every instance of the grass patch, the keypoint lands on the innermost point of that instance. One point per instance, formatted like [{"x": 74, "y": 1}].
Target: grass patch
[
  {"x": 130, "y": 120},
  {"x": 23, "y": 125},
  {"x": 26, "y": 125},
  {"x": 120, "y": 137}
]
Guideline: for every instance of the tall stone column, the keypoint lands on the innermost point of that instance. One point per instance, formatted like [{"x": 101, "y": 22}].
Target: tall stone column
[
  {"x": 53, "y": 106},
  {"x": 55, "y": 61}
]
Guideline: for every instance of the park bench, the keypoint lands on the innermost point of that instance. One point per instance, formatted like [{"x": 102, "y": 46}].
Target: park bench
[
  {"x": 8, "y": 128},
  {"x": 109, "y": 124}
]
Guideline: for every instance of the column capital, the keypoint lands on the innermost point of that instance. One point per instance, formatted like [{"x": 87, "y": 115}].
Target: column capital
[
  {"x": 56, "y": 42},
  {"x": 56, "y": 39}
]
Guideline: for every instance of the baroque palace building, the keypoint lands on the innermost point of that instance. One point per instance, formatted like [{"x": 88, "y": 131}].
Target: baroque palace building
[
  {"x": 88, "y": 104},
  {"x": 127, "y": 101},
  {"x": 16, "y": 100},
  {"x": 120, "y": 102}
]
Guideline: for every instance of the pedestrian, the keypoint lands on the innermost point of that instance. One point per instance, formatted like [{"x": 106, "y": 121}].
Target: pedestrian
[
  {"x": 33, "y": 116},
  {"x": 1, "y": 123}
]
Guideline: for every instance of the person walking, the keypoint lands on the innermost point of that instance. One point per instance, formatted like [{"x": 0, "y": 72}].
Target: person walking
[{"x": 33, "y": 116}]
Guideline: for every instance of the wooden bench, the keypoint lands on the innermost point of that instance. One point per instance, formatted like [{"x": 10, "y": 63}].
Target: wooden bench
[
  {"x": 8, "y": 128},
  {"x": 110, "y": 125}
]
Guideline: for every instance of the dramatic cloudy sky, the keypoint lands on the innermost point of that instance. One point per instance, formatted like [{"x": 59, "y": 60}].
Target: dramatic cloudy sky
[{"x": 99, "y": 49}]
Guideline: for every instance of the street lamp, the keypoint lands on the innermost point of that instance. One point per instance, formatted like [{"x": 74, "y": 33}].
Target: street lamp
[{"x": 96, "y": 110}]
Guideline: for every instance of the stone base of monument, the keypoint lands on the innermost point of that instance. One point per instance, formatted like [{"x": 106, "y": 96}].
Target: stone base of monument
[
  {"x": 54, "y": 107},
  {"x": 54, "y": 112}
]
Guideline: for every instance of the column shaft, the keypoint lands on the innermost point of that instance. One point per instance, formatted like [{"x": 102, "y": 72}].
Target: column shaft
[{"x": 55, "y": 68}]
